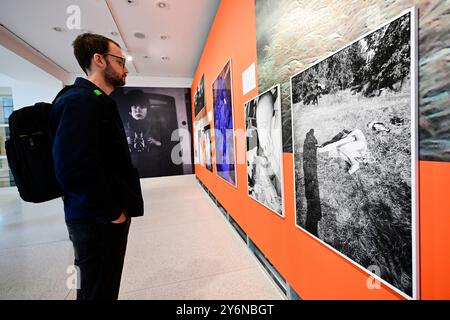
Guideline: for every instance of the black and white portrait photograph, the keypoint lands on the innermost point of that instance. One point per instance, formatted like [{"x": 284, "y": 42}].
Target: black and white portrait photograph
[
  {"x": 199, "y": 96},
  {"x": 354, "y": 143},
  {"x": 265, "y": 150},
  {"x": 157, "y": 123}
]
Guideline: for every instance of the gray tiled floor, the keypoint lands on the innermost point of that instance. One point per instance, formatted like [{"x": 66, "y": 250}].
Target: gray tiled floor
[{"x": 181, "y": 249}]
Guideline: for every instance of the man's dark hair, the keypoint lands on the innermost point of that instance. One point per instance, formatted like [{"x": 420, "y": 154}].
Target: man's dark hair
[{"x": 88, "y": 44}]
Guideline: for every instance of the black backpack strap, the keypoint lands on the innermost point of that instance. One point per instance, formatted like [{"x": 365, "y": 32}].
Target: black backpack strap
[
  {"x": 96, "y": 92},
  {"x": 67, "y": 88}
]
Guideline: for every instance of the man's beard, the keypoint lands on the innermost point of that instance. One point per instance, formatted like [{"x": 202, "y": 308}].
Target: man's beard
[{"x": 112, "y": 77}]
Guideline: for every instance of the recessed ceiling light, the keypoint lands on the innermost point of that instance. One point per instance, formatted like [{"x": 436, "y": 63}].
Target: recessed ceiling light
[
  {"x": 139, "y": 35},
  {"x": 114, "y": 33},
  {"x": 162, "y": 4},
  {"x": 165, "y": 58},
  {"x": 129, "y": 58},
  {"x": 59, "y": 29},
  {"x": 164, "y": 37},
  {"x": 131, "y": 2}
]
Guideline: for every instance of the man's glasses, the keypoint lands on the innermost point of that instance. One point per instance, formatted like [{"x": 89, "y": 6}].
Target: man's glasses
[{"x": 122, "y": 59}]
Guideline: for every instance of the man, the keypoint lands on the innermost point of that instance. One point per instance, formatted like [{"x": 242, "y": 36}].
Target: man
[{"x": 93, "y": 167}]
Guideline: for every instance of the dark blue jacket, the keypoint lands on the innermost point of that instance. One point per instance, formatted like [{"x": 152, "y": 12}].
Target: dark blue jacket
[{"x": 91, "y": 156}]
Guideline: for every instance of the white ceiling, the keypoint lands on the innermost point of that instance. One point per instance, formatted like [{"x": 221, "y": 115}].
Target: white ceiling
[{"x": 185, "y": 22}]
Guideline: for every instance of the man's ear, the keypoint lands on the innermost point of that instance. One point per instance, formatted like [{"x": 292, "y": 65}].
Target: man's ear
[{"x": 97, "y": 59}]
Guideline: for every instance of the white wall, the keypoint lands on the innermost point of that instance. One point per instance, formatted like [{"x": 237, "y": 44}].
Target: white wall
[
  {"x": 28, "y": 93},
  {"x": 29, "y": 83},
  {"x": 158, "y": 82},
  {"x": 6, "y": 81}
]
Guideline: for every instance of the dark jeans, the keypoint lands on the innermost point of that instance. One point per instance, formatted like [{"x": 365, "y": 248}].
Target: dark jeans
[{"x": 99, "y": 256}]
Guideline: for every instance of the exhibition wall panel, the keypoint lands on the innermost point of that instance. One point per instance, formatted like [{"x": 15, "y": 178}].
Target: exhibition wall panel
[{"x": 311, "y": 268}]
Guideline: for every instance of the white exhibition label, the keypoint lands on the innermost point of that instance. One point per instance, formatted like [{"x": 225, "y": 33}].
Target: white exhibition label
[
  {"x": 210, "y": 115},
  {"x": 248, "y": 79}
]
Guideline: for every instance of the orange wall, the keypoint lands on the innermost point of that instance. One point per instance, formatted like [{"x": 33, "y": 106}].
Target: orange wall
[
  {"x": 312, "y": 269},
  {"x": 434, "y": 229}
]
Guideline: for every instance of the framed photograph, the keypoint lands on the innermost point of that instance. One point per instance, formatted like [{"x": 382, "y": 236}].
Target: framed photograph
[
  {"x": 154, "y": 121},
  {"x": 355, "y": 152},
  {"x": 206, "y": 147},
  {"x": 224, "y": 125},
  {"x": 264, "y": 151},
  {"x": 201, "y": 120},
  {"x": 199, "y": 132},
  {"x": 199, "y": 96}
]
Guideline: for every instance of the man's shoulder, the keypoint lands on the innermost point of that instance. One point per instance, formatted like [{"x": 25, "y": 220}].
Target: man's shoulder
[
  {"x": 76, "y": 95},
  {"x": 75, "y": 92}
]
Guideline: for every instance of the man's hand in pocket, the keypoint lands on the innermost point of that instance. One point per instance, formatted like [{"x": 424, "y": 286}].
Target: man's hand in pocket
[{"x": 121, "y": 219}]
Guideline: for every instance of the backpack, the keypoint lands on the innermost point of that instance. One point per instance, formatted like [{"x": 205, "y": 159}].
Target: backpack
[{"x": 29, "y": 152}]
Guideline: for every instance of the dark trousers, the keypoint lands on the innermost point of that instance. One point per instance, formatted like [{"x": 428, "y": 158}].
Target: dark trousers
[{"x": 99, "y": 255}]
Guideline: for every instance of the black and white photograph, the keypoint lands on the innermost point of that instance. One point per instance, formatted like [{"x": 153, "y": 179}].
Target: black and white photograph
[
  {"x": 265, "y": 150},
  {"x": 201, "y": 120},
  {"x": 199, "y": 96},
  {"x": 199, "y": 134},
  {"x": 206, "y": 146},
  {"x": 354, "y": 143},
  {"x": 157, "y": 123}
]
